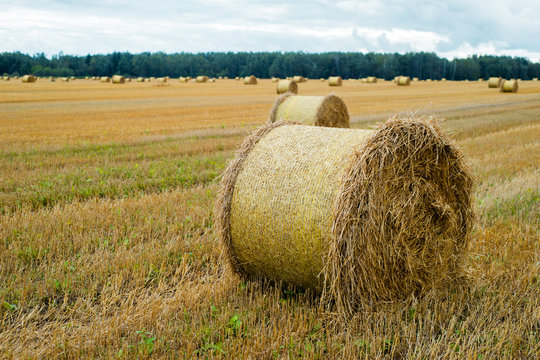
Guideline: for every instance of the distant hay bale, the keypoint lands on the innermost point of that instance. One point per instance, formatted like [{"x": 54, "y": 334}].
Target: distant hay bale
[
  {"x": 329, "y": 111},
  {"x": 201, "y": 79},
  {"x": 275, "y": 79},
  {"x": 322, "y": 79},
  {"x": 396, "y": 78},
  {"x": 480, "y": 79},
  {"x": 72, "y": 78},
  {"x": 404, "y": 81},
  {"x": 363, "y": 80},
  {"x": 105, "y": 79},
  {"x": 220, "y": 77},
  {"x": 371, "y": 79},
  {"x": 183, "y": 79},
  {"x": 428, "y": 80},
  {"x": 509, "y": 86},
  {"x": 6, "y": 78},
  {"x": 359, "y": 216},
  {"x": 415, "y": 79},
  {"x": 250, "y": 80},
  {"x": 237, "y": 78},
  {"x": 213, "y": 80},
  {"x": 162, "y": 80},
  {"x": 52, "y": 80},
  {"x": 443, "y": 79},
  {"x": 494, "y": 82},
  {"x": 285, "y": 86},
  {"x": 335, "y": 81},
  {"x": 28, "y": 79},
  {"x": 86, "y": 78},
  {"x": 298, "y": 79},
  {"x": 64, "y": 79},
  {"x": 535, "y": 79},
  {"x": 118, "y": 79}
]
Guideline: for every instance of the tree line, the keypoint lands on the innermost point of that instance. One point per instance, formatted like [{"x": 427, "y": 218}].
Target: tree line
[{"x": 271, "y": 64}]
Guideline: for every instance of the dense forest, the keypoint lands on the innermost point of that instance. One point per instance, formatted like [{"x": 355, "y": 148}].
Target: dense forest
[{"x": 267, "y": 64}]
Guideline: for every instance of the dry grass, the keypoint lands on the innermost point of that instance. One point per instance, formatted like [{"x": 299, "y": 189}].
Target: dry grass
[{"x": 108, "y": 250}]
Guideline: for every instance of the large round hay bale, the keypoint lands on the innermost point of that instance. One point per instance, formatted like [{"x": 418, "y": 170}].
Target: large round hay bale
[
  {"x": 494, "y": 82},
  {"x": 28, "y": 79},
  {"x": 250, "y": 80},
  {"x": 329, "y": 111},
  {"x": 404, "y": 81},
  {"x": 118, "y": 79},
  {"x": 105, "y": 79},
  {"x": 360, "y": 216},
  {"x": 335, "y": 81},
  {"x": 298, "y": 79},
  {"x": 286, "y": 86},
  {"x": 201, "y": 79},
  {"x": 371, "y": 79},
  {"x": 509, "y": 86}
]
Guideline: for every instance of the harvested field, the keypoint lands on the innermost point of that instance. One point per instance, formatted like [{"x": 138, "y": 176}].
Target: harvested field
[{"x": 108, "y": 247}]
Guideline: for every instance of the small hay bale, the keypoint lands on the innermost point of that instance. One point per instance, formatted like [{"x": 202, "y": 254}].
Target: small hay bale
[
  {"x": 72, "y": 78},
  {"x": 237, "y": 78},
  {"x": 140, "y": 79},
  {"x": 52, "y": 80},
  {"x": 6, "y": 78},
  {"x": 363, "y": 80},
  {"x": 118, "y": 79},
  {"x": 105, "y": 79},
  {"x": 322, "y": 79},
  {"x": 275, "y": 79},
  {"x": 494, "y": 82},
  {"x": 212, "y": 80},
  {"x": 360, "y": 216},
  {"x": 443, "y": 79},
  {"x": 415, "y": 79},
  {"x": 404, "y": 81},
  {"x": 64, "y": 79},
  {"x": 250, "y": 80},
  {"x": 286, "y": 86},
  {"x": 162, "y": 80},
  {"x": 201, "y": 79},
  {"x": 298, "y": 79},
  {"x": 335, "y": 81},
  {"x": 28, "y": 79},
  {"x": 509, "y": 86},
  {"x": 183, "y": 79},
  {"x": 371, "y": 79},
  {"x": 329, "y": 111},
  {"x": 535, "y": 79}
]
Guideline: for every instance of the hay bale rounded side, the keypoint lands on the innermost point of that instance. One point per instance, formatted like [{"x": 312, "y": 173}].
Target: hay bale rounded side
[
  {"x": 328, "y": 111},
  {"x": 286, "y": 86},
  {"x": 28, "y": 79},
  {"x": 360, "y": 216},
  {"x": 335, "y": 81},
  {"x": 509, "y": 86},
  {"x": 404, "y": 81},
  {"x": 105, "y": 79},
  {"x": 201, "y": 79},
  {"x": 371, "y": 79},
  {"x": 250, "y": 80},
  {"x": 118, "y": 79},
  {"x": 494, "y": 82}
]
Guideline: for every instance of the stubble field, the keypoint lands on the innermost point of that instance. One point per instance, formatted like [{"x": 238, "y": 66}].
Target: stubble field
[{"x": 107, "y": 246}]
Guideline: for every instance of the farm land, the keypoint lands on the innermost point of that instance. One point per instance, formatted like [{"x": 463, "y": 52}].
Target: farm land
[{"x": 108, "y": 250}]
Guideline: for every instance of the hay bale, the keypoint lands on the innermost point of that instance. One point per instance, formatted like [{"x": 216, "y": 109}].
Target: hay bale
[
  {"x": 371, "y": 79},
  {"x": 105, "y": 79},
  {"x": 494, "y": 82},
  {"x": 28, "y": 79},
  {"x": 52, "y": 80},
  {"x": 237, "y": 78},
  {"x": 201, "y": 79},
  {"x": 509, "y": 86},
  {"x": 162, "y": 80},
  {"x": 298, "y": 79},
  {"x": 250, "y": 80},
  {"x": 535, "y": 79},
  {"x": 6, "y": 78},
  {"x": 118, "y": 79},
  {"x": 140, "y": 79},
  {"x": 361, "y": 216},
  {"x": 183, "y": 79},
  {"x": 275, "y": 79},
  {"x": 335, "y": 81},
  {"x": 329, "y": 111},
  {"x": 322, "y": 79},
  {"x": 404, "y": 81},
  {"x": 396, "y": 78},
  {"x": 443, "y": 79},
  {"x": 286, "y": 86},
  {"x": 72, "y": 78},
  {"x": 415, "y": 79},
  {"x": 363, "y": 80},
  {"x": 64, "y": 79}
]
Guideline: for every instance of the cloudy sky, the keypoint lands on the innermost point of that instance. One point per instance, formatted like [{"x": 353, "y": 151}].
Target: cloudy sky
[{"x": 451, "y": 28}]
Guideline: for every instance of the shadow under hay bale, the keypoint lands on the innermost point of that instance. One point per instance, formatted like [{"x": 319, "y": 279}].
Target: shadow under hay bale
[
  {"x": 329, "y": 111},
  {"x": 359, "y": 216},
  {"x": 285, "y": 86}
]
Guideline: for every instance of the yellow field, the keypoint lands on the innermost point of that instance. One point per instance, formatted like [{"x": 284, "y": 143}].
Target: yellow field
[{"x": 107, "y": 246}]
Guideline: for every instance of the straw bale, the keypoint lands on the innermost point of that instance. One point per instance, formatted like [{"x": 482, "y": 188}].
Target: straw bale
[
  {"x": 415, "y": 79},
  {"x": 509, "y": 86},
  {"x": 322, "y": 79},
  {"x": 371, "y": 79},
  {"x": 162, "y": 80},
  {"x": 396, "y": 78},
  {"x": 298, "y": 79},
  {"x": 118, "y": 79},
  {"x": 363, "y": 80},
  {"x": 275, "y": 79},
  {"x": 335, "y": 81},
  {"x": 6, "y": 78},
  {"x": 250, "y": 80},
  {"x": 237, "y": 78},
  {"x": 105, "y": 79},
  {"x": 443, "y": 79},
  {"x": 64, "y": 79},
  {"x": 201, "y": 79},
  {"x": 404, "y": 81},
  {"x": 28, "y": 79},
  {"x": 329, "y": 111},
  {"x": 285, "y": 86},
  {"x": 52, "y": 80},
  {"x": 359, "y": 216},
  {"x": 535, "y": 79},
  {"x": 494, "y": 82},
  {"x": 183, "y": 79},
  {"x": 72, "y": 78}
]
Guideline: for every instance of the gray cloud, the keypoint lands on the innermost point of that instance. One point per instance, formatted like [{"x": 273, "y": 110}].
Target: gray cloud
[{"x": 450, "y": 28}]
